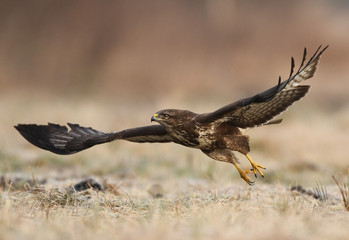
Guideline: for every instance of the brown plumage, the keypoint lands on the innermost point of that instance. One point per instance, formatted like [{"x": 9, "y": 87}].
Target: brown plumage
[{"x": 217, "y": 134}]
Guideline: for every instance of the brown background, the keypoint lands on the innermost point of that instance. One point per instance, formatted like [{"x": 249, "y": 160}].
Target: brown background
[{"x": 156, "y": 50}]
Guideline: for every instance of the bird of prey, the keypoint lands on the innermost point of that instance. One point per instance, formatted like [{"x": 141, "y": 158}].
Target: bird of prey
[{"x": 217, "y": 134}]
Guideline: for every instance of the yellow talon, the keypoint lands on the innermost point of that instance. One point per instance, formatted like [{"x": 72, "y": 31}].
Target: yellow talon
[
  {"x": 243, "y": 174},
  {"x": 255, "y": 167}
]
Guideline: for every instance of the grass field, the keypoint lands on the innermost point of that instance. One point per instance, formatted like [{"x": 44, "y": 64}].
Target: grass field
[{"x": 165, "y": 191}]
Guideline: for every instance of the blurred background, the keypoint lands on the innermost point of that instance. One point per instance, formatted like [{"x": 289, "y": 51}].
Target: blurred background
[
  {"x": 112, "y": 64},
  {"x": 152, "y": 49}
]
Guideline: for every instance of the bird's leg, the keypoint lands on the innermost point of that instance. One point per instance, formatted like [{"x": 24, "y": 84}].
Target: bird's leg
[
  {"x": 226, "y": 155},
  {"x": 255, "y": 167},
  {"x": 243, "y": 174}
]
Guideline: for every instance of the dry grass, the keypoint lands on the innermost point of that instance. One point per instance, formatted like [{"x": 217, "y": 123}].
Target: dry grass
[
  {"x": 194, "y": 211},
  {"x": 343, "y": 188},
  {"x": 165, "y": 191}
]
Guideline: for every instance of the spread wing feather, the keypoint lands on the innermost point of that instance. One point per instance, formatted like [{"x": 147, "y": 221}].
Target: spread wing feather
[
  {"x": 263, "y": 107},
  {"x": 58, "y": 139}
]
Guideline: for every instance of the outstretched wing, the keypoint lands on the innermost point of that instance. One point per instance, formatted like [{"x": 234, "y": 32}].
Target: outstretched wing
[
  {"x": 58, "y": 139},
  {"x": 263, "y": 107}
]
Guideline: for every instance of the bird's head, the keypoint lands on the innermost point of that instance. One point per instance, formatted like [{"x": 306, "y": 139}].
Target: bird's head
[{"x": 172, "y": 117}]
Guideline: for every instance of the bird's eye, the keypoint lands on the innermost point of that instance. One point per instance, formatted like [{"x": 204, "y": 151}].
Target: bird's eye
[{"x": 166, "y": 115}]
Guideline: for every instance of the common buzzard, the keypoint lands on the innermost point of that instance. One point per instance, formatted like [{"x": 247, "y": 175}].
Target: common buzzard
[{"x": 217, "y": 134}]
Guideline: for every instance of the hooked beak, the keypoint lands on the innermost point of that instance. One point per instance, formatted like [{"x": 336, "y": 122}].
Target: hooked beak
[{"x": 154, "y": 117}]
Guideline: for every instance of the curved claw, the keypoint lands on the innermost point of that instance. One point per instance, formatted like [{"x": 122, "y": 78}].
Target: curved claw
[
  {"x": 246, "y": 178},
  {"x": 251, "y": 183},
  {"x": 243, "y": 175}
]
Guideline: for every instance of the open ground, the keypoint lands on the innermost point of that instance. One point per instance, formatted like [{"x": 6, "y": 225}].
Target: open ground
[{"x": 167, "y": 191}]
